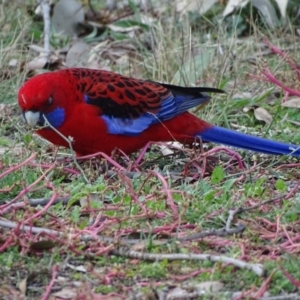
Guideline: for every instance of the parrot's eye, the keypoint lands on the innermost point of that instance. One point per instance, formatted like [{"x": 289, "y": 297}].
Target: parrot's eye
[{"x": 50, "y": 101}]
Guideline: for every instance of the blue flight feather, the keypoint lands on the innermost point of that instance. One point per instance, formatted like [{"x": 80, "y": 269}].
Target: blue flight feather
[
  {"x": 171, "y": 106},
  {"x": 241, "y": 140}
]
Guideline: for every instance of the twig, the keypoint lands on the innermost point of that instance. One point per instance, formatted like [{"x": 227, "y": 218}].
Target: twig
[
  {"x": 69, "y": 141},
  {"x": 84, "y": 237},
  {"x": 131, "y": 174},
  {"x": 45, "y": 5},
  {"x": 216, "y": 232},
  {"x": 256, "y": 268},
  {"x": 240, "y": 210},
  {"x": 122, "y": 241},
  {"x": 230, "y": 219},
  {"x": 293, "y": 296},
  {"x": 41, "y": 202}
]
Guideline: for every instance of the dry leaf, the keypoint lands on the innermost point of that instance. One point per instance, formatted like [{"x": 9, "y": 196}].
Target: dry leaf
[
  {"x": 201, "y": 6},
  {"x": 143, "y": 244},
  {"x": 77, "y": 268},
  {"x": 66, "y": 293},
  {"x": 165, "y": 150},
  {"x": 13, "y": 63},
  {"x": 23, "y": 286},
  {"x": 267, "y": 10},
  {"x": 40, "y": 62},
  {"x": 242, "y": 95},
  {"x": 282, "y": 5},
  {"x": 265, "y": 7},
  {"x": 66, "y": 16},
  {"x": 294, "y": 122},
  {"x": 12, "y": 151},
  {"x": 36, "y": 48},
  {"x": 42, "y": 245},
  {"x": 111, "y": 4},
  {"x": 209, "y": 287},
  {"x": 5, "y": 110},
  {"x": 78, "y": 55},
  {"x": 192, "y": 69},
  {"x": 247, "y": 109},
  {"x": 262, "y": 114},
  {"x": 232, "y": 5},
  {"x": 37, "y": 63},
  {"x": 114, "y": 52},
  {"x": 122, "y": 29},
  {"x": 292, "y": 102},
  {"x": 180, "y": 293},
  {"x": 84, "y": 201}
]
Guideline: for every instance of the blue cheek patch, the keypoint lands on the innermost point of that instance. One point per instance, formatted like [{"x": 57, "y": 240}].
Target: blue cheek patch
[{"x": 55, "y": 118}]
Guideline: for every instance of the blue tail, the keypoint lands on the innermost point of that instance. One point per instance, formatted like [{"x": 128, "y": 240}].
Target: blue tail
[{"x": 241, "y": 140}]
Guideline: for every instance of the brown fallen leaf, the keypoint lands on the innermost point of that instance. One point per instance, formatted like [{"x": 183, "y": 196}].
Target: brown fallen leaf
[
  {"x": 67, "y": 14},
  {"x": 292, "y": 102},
  {"x": 202, "y": 6},
  {"x": 142, "y": 245},
  {"x": 262, "y": 114},
  {"x": 209, "y": 287},
  {"x": 78, "y": 55},
  {"x": 23, "y": 286},
  {"x": 42, "y": 245},
  {"x": 41, "y": 61},
  {"x": 66, "y": 293}
]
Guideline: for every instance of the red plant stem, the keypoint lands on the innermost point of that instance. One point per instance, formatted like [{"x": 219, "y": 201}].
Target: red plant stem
[
  {"x": 18, "y": 166},
  {"x": 5, "y": 207},
  {"x": 274, "y": 80},
  {"x": 46, "y": 166},
  {"x": 45, "y": 208},
  {"x": 284, "y": 55},
  {"x": 108, "y": 158},
  {"x": 293, "y": 281},
  {"x": 49, "y": 287},
  {"x": 230, "y": 152},
  {"x": 169, "y": 194},
  {"x": 261, "y": 291},
  {"x": 8, "y": 242}
]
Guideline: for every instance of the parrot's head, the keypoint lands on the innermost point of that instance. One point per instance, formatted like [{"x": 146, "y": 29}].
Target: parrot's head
[{"x": 44, "y": 99}]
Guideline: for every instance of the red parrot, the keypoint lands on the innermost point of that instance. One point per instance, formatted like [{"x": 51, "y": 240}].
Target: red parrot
[{"x": 102, "y": 110}]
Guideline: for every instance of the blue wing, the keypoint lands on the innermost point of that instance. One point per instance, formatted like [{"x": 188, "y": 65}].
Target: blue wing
[{"x": 171, "y": 106}]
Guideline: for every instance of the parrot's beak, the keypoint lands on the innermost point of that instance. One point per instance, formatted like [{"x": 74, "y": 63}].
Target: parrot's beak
[{"x": 32, "y": 117}]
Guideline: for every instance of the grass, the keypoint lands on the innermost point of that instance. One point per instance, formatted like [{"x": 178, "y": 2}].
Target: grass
[{"x": 137, "y": 206}]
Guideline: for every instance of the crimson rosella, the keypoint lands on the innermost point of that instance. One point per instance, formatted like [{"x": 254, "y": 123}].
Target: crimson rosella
[{"x": 102, "y": 110}]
